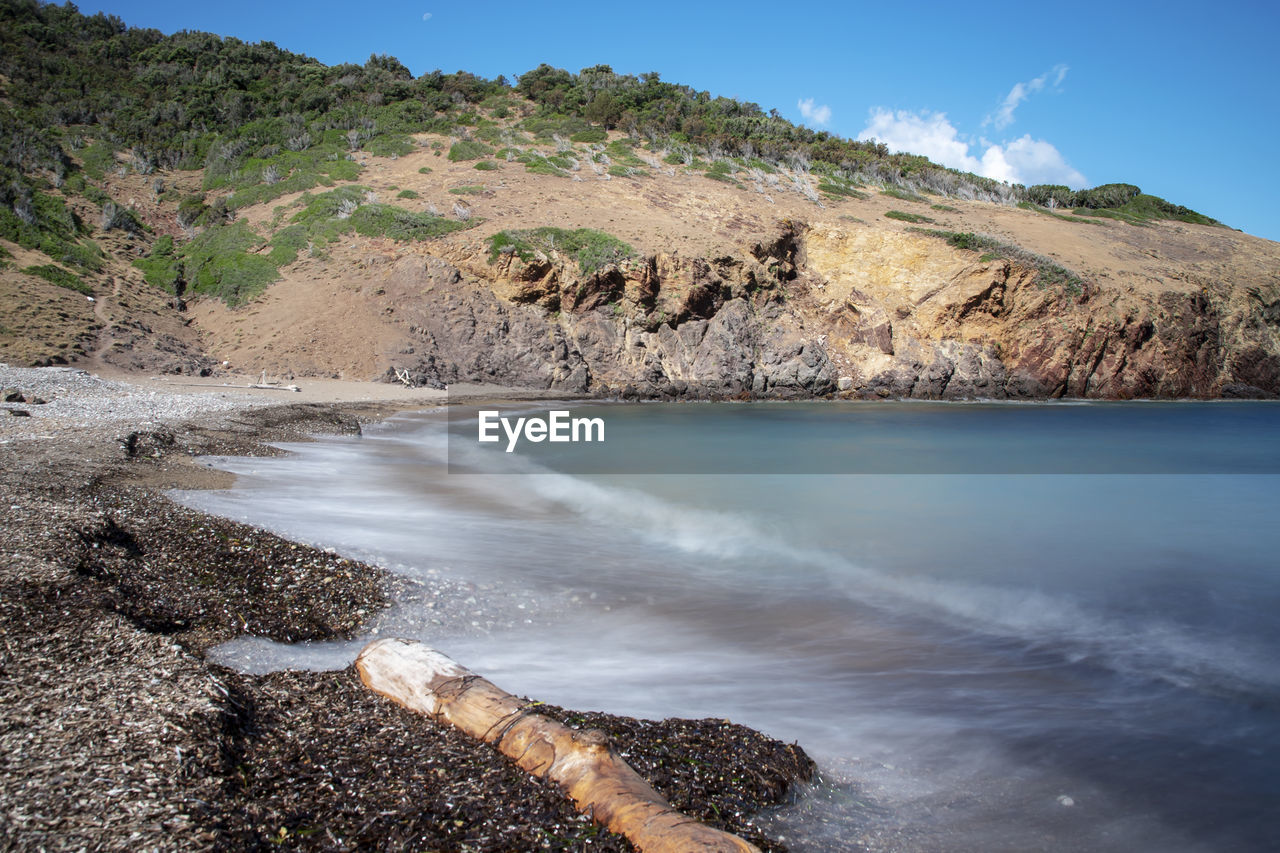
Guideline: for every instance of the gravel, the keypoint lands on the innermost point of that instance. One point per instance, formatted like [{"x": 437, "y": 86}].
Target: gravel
[{"x": 61, "y": 399}]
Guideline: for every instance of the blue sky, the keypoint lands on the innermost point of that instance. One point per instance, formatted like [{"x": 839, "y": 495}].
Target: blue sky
[{"x": 1177, "y": 97}]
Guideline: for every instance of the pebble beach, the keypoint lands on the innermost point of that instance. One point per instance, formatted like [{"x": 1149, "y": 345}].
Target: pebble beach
[{"x": 117, "y": 733}]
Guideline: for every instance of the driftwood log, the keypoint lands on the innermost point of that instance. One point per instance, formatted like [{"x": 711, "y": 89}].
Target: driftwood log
[{"x": 599, "y": 782}]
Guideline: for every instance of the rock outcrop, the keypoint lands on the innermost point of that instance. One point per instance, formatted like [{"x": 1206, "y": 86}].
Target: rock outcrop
[
  {"x": 666, "y": 326},
  {"x": 822, "y": 311}
]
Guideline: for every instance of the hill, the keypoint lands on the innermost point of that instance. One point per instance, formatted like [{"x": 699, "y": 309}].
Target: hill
[{"x": 226, "y": 202}]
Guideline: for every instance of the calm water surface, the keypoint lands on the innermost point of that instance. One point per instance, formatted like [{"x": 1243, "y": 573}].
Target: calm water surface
[{"x": 997, "y": 627}]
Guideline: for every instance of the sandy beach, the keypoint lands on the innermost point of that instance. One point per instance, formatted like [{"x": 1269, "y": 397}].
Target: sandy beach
[{"x": 117, "y": 733}]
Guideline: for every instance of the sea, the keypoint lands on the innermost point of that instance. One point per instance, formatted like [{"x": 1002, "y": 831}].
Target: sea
[{"x": 995, "y": 626}]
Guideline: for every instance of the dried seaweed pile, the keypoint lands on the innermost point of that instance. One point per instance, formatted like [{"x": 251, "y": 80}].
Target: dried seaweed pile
[
  {"x": 322, "y": 763},
  {"x": 169, "y": 569},
  {"x": 108, "y": 734},
  {"x": 716, "y": 771}
]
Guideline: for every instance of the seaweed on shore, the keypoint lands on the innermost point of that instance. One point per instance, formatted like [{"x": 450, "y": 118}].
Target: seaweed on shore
[
  {"x": 325, "y": 764},
  {"x": 173, "y": 570},
  {"x": 714, "y": 770},
  {"x": 115, "y": 731}
]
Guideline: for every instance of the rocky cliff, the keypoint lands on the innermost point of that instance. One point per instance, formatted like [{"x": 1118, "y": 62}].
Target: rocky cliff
[{"x": 826, "y": 309}]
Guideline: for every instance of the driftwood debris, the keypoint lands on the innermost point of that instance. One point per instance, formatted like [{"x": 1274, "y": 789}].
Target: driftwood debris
[
  {"x": 256, "y": 386},
  {"x": 597, "y": 780}
]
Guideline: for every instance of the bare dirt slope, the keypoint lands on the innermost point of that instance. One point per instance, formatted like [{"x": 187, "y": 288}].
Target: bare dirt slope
[{"x": 758, "y": 283}]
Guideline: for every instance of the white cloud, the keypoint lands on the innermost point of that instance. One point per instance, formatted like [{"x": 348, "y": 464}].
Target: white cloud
[
  {"x": 426, "y": 16},
  {"x": 996, "y": 166},
  {"x": 818, "y": 115},
  {"x": 1022, "y": 161},
  {"x": 1036, "y": 161},
  {"x": 930, "y": 134},
  {"x": 1020, "y": 92}
]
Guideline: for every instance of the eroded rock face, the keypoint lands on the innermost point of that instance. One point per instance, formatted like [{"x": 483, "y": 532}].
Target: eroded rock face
[
  {"x": 910, "y": 316},
  {"x": 889, "y": 314},
  {"x": 666, "y": 326}
]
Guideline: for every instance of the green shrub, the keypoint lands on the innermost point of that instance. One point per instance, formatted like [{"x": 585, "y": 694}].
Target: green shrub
[
  {"x": 192, "y": 211},
  {"x": 59, "y": 276},
  {"x": 595, "y": 134},
  {"x": 469, "y": 189},
  {"x": 839, "y": 190},
  {"x": 304, "y": 174},
  {"x": 539, "y": 165},
  {"x": 904, "y": 195},
  {"x": 590, "y": 248},
  {"x": 218, "y": 263},
  {"x": 94, "y": 194},
  {"x": 618, "y": 170},
  {"x": 1044, "y": 211},
  {"x": 407, "y": 194},
  {"x": 757, "y": 163},
  {"x": 487, "y": 166},
  {"x": 1106, "y": 195},
  {"x": 1124, "y": 202},
  {"x": 425, "y": 170},
  {"x": 288, "y": 243},
  {"x": 548, "y": 126},
  {"x": 721, "y": 170},
  {"x": 54, "y": 230},
  {"x": 226, "y": 262},
  {"x": 621, "y": 151},
  {"x": 945, "y": 208},
  {"x": 967, "y": 240},
  {"x": 1048, "y": 272},
  {"x": 390, "y": 145},
  {"x": 906, "y": 217},
  {"x": 329, "y": 215},
  {"x": 99, "y": 158},
  {"x": 1144, "y": 208},
  {"x": 160, "y": 268},
  {"x": 384, "y": 220},
  {"x": 322, "y": 208},
  {"x": 468, "y": 149}
]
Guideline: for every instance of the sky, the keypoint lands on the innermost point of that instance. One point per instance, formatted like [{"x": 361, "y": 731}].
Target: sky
[{"x": 1179, "y": 98}]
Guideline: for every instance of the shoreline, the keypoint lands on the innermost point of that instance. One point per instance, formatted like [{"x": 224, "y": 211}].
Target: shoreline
[{"x": 118, "y": 732}]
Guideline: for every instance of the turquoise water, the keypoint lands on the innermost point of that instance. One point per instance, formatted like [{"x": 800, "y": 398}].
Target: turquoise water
[{"x": 984, "y": 648}]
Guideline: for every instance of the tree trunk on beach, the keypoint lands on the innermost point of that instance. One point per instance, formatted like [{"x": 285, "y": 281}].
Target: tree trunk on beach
[{"x": 598, "y": 781}]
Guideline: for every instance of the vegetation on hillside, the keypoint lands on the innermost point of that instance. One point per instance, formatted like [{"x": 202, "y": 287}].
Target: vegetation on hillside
[
  {"x": 234, "y": 263},
  {"x": 591, "y": 249},
  {"x": 903, "y": 216},
  {"x": 57, "y": 275},
  {"x": 1049, "y": 273},
  {"x": 1125, "y": 202},
  {"x": 84, "y": 98}
]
